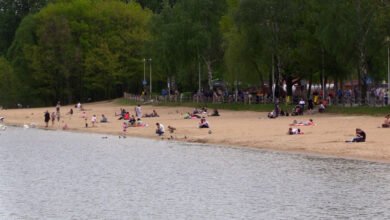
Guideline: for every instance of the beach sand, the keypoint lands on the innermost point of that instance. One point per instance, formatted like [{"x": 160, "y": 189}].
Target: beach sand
[{"x": 233, "y": 128}]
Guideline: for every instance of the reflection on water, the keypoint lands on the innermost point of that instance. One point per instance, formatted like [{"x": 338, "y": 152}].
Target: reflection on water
[{"x": 60, "y": 175}]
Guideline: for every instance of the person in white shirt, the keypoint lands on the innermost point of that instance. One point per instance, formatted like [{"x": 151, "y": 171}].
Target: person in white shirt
[
  {"x": 138, "y": 111},
  {"x": 160, "y": 129}
]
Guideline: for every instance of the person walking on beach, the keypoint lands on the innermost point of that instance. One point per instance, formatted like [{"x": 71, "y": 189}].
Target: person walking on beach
[
  {"x": 47, "y": 118},
  {"x": 53, "y": 118}
]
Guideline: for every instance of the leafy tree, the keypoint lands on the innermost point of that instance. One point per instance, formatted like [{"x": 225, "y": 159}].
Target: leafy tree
[
  {"x": 8, "y": 84},
  {"x": 81, "y": 49}
]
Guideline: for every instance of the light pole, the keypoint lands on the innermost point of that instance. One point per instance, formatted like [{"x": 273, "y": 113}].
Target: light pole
[
  {"x": 150, "y": 78},
  {"x": 144, "y": 82},
  {"x": 199, "y": 81},
  {"x": 388, "y": 68}
]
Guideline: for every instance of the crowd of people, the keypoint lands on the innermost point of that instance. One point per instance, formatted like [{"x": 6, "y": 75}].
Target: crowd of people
[{"x": 135, "y": 120}]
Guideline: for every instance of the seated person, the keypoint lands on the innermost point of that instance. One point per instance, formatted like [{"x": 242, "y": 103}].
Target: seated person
[
  {"x": 203, "y": 123},
  {"x": 103, "y": 119},
  {"x": 386, "y": 123},
  {"x": 171, "y": 129},
  {"x": 1, "y": 119},
  {"x": 160, "y": 129},
  {"x": 187, "y": 115},
  {"x": 321, "y": 108},
  {"x": 215, "y": 113},
  {"x": 139, "y": 123},
  {"x": 292, "y": 131},
  {"x": 126, "y": 116},
  {"x": 360, "y": 136},
  {"x": 132, "y": 121},
  {"x": 272, "y": 115},
  {"x": 296, "y": 110}
]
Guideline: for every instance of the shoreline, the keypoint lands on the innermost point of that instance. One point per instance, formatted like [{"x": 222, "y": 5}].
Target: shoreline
[
  {"x": 209, "y": 144},
  {"x": 242, "y": 129}
]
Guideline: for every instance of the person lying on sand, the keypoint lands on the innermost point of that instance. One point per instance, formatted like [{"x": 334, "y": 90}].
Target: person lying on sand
[
  {"x": 191, "y": 116},
  {"x": 293, "y": 131},
  {"x": 386, "y": 123},
  {"x": 360, "y": 136},
  {"x": 151, "y": 115},
  {"x": 303, "y": 123}
]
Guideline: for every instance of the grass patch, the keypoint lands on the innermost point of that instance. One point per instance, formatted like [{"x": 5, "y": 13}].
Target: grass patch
[
  {"x": 359, "y": 110},
  {"x": 227, "y": 106},
  {"x": 356, "y": 110}
]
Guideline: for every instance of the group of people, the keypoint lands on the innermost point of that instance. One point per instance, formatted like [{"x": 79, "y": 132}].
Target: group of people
[{"x": 292, "y": 130}]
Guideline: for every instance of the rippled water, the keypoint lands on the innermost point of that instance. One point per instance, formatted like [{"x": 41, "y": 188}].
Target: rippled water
[{"x": 61, "y": 175}]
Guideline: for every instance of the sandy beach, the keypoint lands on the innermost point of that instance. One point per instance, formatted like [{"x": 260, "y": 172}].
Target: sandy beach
[{"x": 233, "y": 128}]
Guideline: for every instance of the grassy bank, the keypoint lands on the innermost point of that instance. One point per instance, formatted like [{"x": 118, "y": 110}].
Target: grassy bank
[
  {"x": 227, "y": 106},
  {"x": 357, "y": 110}
]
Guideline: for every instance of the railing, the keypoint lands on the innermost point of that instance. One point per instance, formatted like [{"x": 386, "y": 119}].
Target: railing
[{"x": 347, "y": 101}]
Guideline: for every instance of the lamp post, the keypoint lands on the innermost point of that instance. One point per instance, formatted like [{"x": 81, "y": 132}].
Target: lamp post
[
  {"x": 388, "y": 68},
  {"x": 144, "y": 82},
  {"x": 150, "y": 78}
]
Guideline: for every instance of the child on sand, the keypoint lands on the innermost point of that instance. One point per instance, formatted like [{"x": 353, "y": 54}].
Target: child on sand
[{"x": 93, "y": 120}]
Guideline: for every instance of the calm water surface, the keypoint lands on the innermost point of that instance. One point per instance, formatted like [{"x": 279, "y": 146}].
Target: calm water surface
[{"x": 61, "y": 175}]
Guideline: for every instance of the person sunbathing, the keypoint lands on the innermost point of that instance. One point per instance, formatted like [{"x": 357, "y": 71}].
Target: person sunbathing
[
  {"x": 293, "y": 131},
  {"x": 303, "y": 123},
  {"x": 152, "y": 115}
]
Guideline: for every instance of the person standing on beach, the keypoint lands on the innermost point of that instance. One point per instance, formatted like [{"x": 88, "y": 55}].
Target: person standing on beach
[
  {"x": 53, "y": 118},
  {"x": 47, "y": 118},
  {"x": 58, "y": 116},
  {"x": 138, "y": 111},
  {"x": 93, "y": 120},
  {"x": 58, "y": 106}
]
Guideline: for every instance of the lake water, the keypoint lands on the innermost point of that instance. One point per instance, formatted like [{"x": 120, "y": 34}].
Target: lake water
[{"x": 64, "y": 175}]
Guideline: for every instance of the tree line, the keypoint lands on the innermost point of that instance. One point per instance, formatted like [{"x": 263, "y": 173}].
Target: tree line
[{"x": 76, "y": 50}]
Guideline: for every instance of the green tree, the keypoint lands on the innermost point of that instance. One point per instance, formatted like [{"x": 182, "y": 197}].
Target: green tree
[{"x": 81, "y": 49}]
